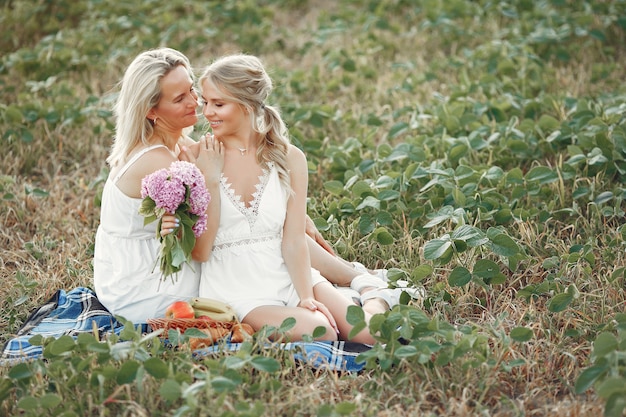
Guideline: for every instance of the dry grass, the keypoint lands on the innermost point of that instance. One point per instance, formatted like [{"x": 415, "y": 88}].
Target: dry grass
[{"x": 46, "y": 240}]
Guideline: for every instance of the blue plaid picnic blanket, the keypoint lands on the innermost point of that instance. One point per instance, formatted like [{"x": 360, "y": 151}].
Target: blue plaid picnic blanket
[
  {"x": 332, "y": 356},
  {"x": 66, "y": 313},
  {"x": 80, "y": 311}
]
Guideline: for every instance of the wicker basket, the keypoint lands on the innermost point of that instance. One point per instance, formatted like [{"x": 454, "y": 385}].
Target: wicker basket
[
  {"x": 214, "y": 330},
  {"x": 184, "y": 324}
]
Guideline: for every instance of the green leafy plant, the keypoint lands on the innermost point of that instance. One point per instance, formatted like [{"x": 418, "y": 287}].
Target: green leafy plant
[{"x": 607, "y": 372}]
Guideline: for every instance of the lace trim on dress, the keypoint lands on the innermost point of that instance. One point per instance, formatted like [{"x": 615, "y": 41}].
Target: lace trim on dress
[
  {"x": 246, "y": 242},
  {"x": 251, "y": 212}
]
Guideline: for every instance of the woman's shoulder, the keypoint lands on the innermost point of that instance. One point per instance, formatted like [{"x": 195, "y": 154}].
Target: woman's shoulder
[
  {"x": 295, "y": 154},
  {"x": 141, "y": 162}
]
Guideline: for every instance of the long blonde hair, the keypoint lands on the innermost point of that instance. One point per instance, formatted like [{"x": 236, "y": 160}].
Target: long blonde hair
[
  {"x": 140, "y": 91},
  {"x": 244, "y": 80}
]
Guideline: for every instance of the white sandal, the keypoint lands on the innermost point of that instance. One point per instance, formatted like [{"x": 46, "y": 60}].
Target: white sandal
[
  {"x": 392, "y": 295},
  {"x": 380, "y": 273},
  {"x": 389, "y": 295},
  {"x": 366, "y": 280}
]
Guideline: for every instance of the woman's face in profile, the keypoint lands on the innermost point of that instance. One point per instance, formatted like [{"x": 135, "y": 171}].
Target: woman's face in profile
[{"x": 178, "y": 106}]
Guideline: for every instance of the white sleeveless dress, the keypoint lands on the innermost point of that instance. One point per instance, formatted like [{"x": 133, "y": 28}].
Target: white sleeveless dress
[
  {"x": 126, "y": 280},
  {"x": 246, "y": 268}
]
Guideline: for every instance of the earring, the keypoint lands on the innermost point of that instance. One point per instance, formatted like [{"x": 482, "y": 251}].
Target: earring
[{"x": 154, "y": 120}]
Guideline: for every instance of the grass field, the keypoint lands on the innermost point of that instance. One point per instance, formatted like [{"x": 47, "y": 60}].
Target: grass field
[{"x": 477, "y": 148}]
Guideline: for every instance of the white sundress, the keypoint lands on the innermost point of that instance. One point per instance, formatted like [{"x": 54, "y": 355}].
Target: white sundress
[
  {"x": 126, "y": 280},
  {"x": 246, "y": 268}
]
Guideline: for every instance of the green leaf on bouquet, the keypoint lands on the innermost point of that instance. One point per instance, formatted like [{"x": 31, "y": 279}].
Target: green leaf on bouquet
[
  {"x": 147, "y": 206},
  {"x": 147, "y": 209},
  {"x": 178, "y": 255},
  {"x": 187, "y": 238}
]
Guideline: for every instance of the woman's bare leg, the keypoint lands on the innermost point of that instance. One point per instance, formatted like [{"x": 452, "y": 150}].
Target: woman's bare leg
[
  {"x": 338, "y": 306},
  {"x": 306, "y": 322},
  {"x": 341, "y": 272},
  {"x": 334, "y": 269}
]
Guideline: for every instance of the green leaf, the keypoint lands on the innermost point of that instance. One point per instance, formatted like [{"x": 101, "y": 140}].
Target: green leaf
[
  {"x": 28, "y": 402},
  {"x": 388, "y": 195},
  {"x": 170, "y": 390},
  {"x": 355, "y": 315},
  {"x": 588, "y": 377},
  {"x": 345, "y": 408},
  {"x": 287, "y": 324},
  {"x": 497, "y": 279},
  {"x": 604, "y": 197},
  {"x": 62, "y": 345},
  {"x": 615, "y": 404},
  {"x": 459, "y": 277},
  {"x": 435, "y": 248},
  {"x": 421, "y": 272},
  {"x": 485, "y": 268},
  {"x": 361, "y": 187},
  {"x": 223, "y": 384},
  {"x": 398, "y": 129},
  {"x": 156, "y": 367},
  {"x": 48, "y": 401},
  {"x": 13, "y": 115},
  {"x": 334, "y": 187},
  {"x": 194, "y": 332},
  {"x": 548, "y": 123},
  {"x": 405, "y": 352},
  {"x": 178, "y": 255},
  {"x": 384, "y": 218},
  {"x": 541, "y": 174},
  {"x": 369, "y": 201},
  {"x": 560, "y": 302},
  {"x": 234, "y": 362},
  {"x": 366, "y": 224},
  {"x": 383, "y": 237},
  {"x": 521, "y": 334},
  {"x": 20, "y": 371},
  {"x": 610, "y": 386},
  {"x": 6, "y": 389},
  {"x": 503, "y": 245},
  {"x": 147, "y": 210},
  {"x": 604, "y": 344},
  {"x": 467, "y": 233},
  {"x": 127, "y": 372},
  {"x": 265, "y": 364},
  {"x": 457, "y": 151}
]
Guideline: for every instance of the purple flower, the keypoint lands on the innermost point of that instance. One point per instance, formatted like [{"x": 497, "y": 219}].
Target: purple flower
[
  {"x": 200, "y": 226},
  {"x": 199, "y": 199},
  {"x": 180, "y": 190},
  {"x": 186, "y": 172}
]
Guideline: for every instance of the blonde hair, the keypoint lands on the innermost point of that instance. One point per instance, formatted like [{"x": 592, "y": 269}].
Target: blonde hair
[
  {"x": 244, "y": 80},
  {"x": 140, "y": 91}
]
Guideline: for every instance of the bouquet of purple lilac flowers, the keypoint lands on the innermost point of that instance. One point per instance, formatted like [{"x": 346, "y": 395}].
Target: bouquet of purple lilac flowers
[{"x": 181, "y": 191}]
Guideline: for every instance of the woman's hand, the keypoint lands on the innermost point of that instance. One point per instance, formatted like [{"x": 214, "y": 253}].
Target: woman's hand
[
  {"x": 169, "y": 223},
  {"x": 314, "y": 305},
  {"x": 208, "y": 155},
  {"x": 315, "y": 234}
]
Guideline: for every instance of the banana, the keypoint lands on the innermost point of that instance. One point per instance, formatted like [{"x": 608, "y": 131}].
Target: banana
[
  {"x": 215, "y": 309},
  {"x": 209, "y": 304}
]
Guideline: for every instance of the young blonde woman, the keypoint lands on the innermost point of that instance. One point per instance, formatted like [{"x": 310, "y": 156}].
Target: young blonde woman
[
  {"x": 260, "y": 261},
  {"x": 156, "y": 105}
]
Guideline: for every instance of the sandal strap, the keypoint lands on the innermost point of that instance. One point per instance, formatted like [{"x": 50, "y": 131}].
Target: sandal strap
[
  {"x": 367, "y": 280},
  {"x": 389, "y": 295}
]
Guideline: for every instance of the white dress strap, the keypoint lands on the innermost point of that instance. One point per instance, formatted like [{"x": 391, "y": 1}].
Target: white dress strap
[{"x": 132, "y": 160}]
